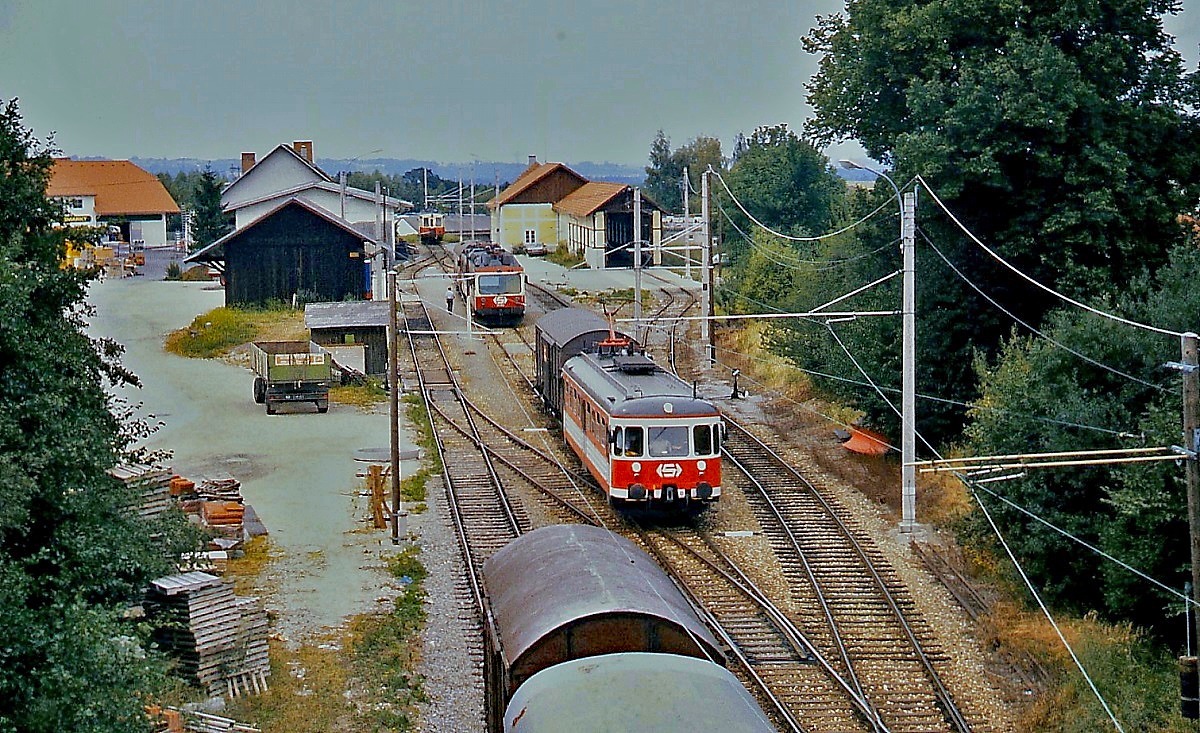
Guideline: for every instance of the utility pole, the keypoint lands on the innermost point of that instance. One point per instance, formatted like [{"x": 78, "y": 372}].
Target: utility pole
[
  {"x": 908, "y": 401},
  {"x": 1191, "y": 422},
  {"x": 687, "y": 224},
  {"x": 398, "y": 513},
  {"x": 637, "y": 262},
  {"x": 706, "y": 293}
]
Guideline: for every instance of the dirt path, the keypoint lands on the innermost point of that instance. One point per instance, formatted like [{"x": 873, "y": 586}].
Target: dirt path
[{"x": 297, "y": 470}]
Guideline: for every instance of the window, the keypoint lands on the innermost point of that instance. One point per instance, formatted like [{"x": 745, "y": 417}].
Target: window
[
  {"x": 718, "y": 430},
  {"x": 530, "y": 236},
  {"x": 668, "y": 442},
  {"x": 618, "y": 441},
  {"x": 499, "y": 284},
  {"x": 633, "y": 441},
  {"x": 702, "y": 439}
]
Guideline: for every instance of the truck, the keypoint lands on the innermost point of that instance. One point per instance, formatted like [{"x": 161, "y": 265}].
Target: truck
[{"x": 291, "y": 371}]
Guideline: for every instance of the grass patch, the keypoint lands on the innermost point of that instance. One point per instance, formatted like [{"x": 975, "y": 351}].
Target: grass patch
[
  {"x": 362, "y": 395},
  {"x": 217, "y": 332},
  {"x": 196, "y": 274},
  {"x": 362, "y": 678},
  {"x": 246, "y": 570},
  {"x": 412, "y": 488},
  {"x": 564, "y": 257}
]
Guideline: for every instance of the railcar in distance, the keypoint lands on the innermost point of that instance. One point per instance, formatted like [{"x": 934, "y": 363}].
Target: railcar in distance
[
  {"x": 641, "y": 431},
  {"x": 431, "y": 227},
  {"x": 491, "y": 281}
]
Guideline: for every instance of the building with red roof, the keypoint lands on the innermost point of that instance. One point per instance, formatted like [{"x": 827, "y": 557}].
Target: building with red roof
[{"x": 113, "y": 192}]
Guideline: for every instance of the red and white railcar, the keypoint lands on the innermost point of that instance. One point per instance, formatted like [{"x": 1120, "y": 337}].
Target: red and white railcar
[
  {"x": 640, "y": 430},
  {"x": 491, "y": 281},
  {"x": 431, "y": 227}
]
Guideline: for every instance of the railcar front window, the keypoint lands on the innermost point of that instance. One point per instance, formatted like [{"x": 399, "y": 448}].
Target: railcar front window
[
  {"x": 702, "y": 439},
  {"x": 669, "y": 442},
  {"x": 500, "y": 284},
  {"x": 718, "y": 429},
  {"x": 633, "y": 442}
]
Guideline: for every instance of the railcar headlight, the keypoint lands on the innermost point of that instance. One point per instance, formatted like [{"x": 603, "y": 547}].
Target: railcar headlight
[
  {"x": 636, "y": 466},
  {"x": 701, "y": 465}
]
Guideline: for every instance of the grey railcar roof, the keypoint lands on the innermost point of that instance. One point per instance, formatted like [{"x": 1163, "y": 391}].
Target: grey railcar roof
[
  {"x": 635, "y": 394},
  {"x": 635, "y": 691},
  {"x": 561, "y": 326},
  {"x": 554, "y": 576}
]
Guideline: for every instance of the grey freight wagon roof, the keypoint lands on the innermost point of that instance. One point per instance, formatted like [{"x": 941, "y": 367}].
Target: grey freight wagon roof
[
  {"x": 561, "y": 326},
  {"x": 346, "y": 314},
  {"x": 635, "y": 691},
  {"x": 555, "y": 576}
]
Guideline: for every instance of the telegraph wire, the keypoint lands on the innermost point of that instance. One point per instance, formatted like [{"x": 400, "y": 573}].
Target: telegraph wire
[
  {"x": 797, "y": 239},
  {"x": 1027, "y": 278},
  {"x": 833, "y": 263},
  {"x": 1013, "y": 316}
]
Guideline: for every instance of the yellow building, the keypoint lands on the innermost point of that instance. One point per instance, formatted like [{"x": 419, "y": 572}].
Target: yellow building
[{"x": 551, "y": 204}]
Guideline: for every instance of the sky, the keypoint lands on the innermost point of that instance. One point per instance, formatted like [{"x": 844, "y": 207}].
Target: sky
[{"x": 449, "y": 80}]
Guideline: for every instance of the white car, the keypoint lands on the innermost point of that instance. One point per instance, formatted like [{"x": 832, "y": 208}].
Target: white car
[{"x": 537, "y": 249}]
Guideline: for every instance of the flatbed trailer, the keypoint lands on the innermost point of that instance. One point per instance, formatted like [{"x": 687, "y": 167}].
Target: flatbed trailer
[{"x": 291, "y": 371}]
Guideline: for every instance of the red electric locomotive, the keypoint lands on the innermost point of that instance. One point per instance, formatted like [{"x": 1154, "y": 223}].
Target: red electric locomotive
[
  {"x": 491, "y": 281},
  {"x": 640, "y": 430}
]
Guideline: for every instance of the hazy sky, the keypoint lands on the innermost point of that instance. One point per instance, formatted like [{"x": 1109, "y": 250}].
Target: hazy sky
[{"x": 448, "y": 80}]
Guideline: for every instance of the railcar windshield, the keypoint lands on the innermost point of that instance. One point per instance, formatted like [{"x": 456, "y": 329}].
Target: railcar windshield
[
  {"x": 504, "y": 284},
  {"x": 706, "y": 439},
  {"x": 628, "y": 441},
  {"x": 668, "y": 442}
]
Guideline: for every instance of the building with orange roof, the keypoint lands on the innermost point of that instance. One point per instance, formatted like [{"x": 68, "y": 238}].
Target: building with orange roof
[
  {"x": 113, "y": 192},
  {"x": 551, "y": 204}
]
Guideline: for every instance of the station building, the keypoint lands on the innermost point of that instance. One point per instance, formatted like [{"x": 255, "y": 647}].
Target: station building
[{"x": 113, "y": 192}]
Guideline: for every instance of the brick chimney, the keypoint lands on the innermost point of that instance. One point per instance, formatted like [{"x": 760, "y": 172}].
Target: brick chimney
[
  {"x": 247, "y": 162},
  {"x": 305, "y": 149}
]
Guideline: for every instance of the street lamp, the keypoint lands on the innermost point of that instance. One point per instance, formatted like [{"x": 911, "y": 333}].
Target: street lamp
[{"x": 908, "y": 388}]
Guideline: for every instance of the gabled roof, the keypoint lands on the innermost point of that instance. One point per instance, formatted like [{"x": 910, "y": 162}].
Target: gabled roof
[
  {"x": 215, "y": 251},
  {"x": 534, "y": 174},
  {"x": 281, "y": 149},
  {"x": 329, "y": 186},
  {"x": 120, "y": 187},
  {"x": 590, "y": 198}
]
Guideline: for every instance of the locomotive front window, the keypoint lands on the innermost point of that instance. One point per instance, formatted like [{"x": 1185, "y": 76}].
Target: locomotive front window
[
  {"x": 500, "y": 284},
  {"x": 632, "y": 444},
  {"x": 702, "y": 439},
  {"x": 668, "y": 442}
]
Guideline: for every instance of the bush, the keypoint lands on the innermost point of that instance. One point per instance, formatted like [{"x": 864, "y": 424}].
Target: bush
[{"x": 174, "y": 271}]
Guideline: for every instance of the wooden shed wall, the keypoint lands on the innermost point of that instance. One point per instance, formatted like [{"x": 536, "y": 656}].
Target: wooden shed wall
[
  {"x": 373, "y": 337},
  {"x": 294, "y": 250}
]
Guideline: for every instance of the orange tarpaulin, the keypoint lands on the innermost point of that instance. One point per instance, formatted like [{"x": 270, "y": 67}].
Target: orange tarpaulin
[{"x": 866, "y": 442}]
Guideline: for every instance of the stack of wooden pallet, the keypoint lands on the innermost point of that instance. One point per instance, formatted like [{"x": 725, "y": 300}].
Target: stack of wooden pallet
[
  {"x": 222, "y": 488},
  {"x": 151, "y": 485},
  {"x": 219, "y": 639}
]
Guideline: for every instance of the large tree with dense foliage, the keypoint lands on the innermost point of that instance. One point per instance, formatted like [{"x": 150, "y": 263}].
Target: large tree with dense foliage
[
  {"x": 1038, "y": 397},
  {"x": 73, "y": 556},
  {"x": 1062, "y": 134},
  {"x": 664, "y": 175}
]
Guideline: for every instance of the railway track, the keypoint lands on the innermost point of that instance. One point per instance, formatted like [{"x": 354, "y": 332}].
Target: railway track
[{"x": 852, "y": 605}]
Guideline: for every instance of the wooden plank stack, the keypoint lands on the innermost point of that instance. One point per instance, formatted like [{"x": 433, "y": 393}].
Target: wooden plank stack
[
  {"x": 219, "y": 639},
  {"x": 151, "y": 484}
]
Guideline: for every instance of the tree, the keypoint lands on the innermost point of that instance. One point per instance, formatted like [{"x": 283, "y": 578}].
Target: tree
[
  {"x": 785, "y": 183},
  {"x": 663, "y": 175},
  {"x": 1039, "y": 397},
  {"x": 73, "y": 556},
  {"x": 1063, "y": 135},
  {"x": 209, "y": 221}
]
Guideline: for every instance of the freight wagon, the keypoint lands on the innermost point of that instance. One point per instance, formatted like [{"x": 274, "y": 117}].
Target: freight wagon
[{"x": 291, "y": 371}]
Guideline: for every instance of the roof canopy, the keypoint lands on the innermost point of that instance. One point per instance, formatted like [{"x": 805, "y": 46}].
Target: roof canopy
[{"x": 120, "y": 187}]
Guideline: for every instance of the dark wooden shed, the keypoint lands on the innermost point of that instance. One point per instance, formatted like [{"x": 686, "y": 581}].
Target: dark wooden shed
[
  {"x": 352, "y": 323},
  {"x": 296, "y": 249}
]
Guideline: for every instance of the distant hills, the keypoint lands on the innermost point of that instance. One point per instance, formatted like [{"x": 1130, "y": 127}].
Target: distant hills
[{"x": 485, "y": 173}]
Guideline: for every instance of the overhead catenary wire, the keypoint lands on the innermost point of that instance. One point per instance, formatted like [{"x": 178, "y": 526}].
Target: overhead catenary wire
[
  {"x": 1033, "y": 329},
  {"x": 1065, "y": 298},
  {"x": 790, "y": 237},
  {"x": 793, "y": 261}
]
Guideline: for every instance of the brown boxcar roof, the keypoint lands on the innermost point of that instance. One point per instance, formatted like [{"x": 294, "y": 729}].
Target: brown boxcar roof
[
  {"x": 120, "y": 187},
  {"x": 556, "y": 576},
  {"x": 590, "y": 198}
]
